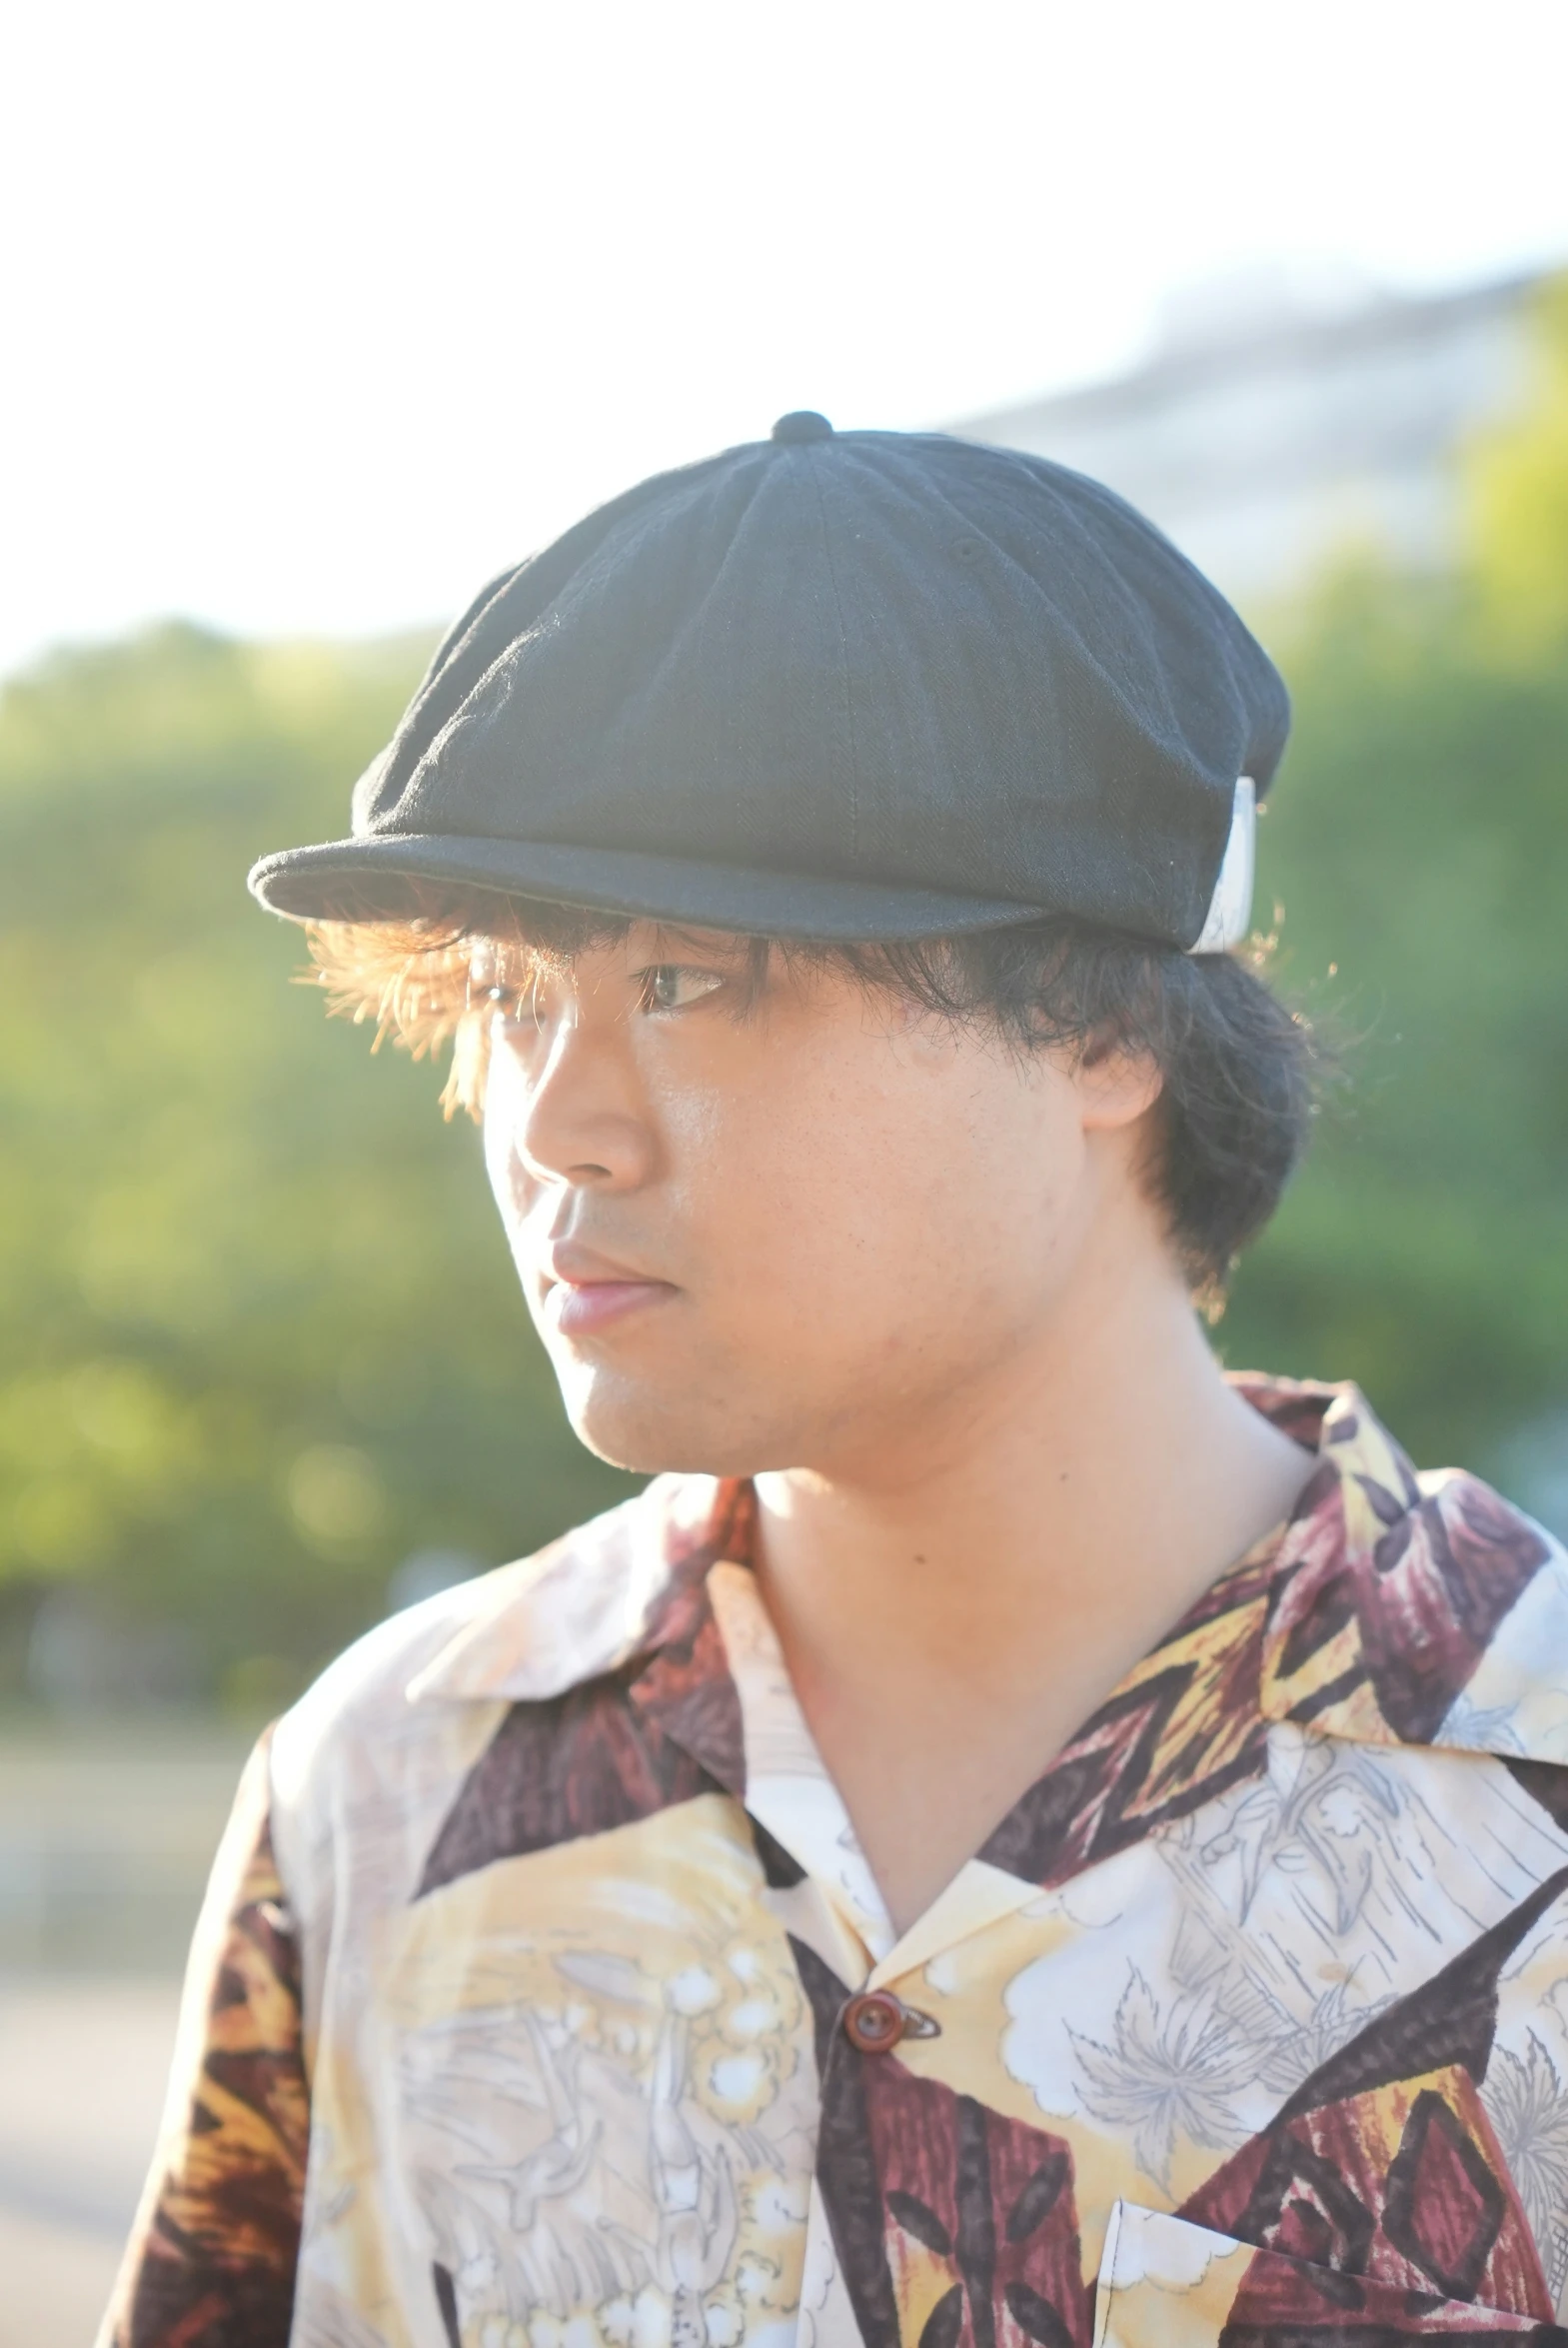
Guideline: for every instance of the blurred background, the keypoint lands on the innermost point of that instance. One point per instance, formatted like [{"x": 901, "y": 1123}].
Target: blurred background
[{"x": 320, "y": 315}]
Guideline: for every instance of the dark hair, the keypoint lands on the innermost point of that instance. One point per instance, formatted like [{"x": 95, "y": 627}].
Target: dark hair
[{"x": 1238, "y": 1069}]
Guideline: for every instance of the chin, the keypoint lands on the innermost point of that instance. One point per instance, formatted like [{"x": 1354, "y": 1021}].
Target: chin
[{"x": 637, "y": 1429}]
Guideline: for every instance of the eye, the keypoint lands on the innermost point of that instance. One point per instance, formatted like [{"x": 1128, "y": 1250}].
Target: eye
[{"x": 674, "y": 986}]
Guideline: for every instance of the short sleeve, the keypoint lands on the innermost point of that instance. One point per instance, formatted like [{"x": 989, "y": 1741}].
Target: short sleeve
[{"x": 213, "y": 2251}]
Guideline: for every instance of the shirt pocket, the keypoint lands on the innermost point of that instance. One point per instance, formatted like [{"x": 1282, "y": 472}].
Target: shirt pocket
[{"x": 1165, "y": 2283}]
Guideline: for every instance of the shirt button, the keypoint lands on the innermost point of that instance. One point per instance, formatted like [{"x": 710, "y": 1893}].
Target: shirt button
[{"x": 874, "y": 2021}]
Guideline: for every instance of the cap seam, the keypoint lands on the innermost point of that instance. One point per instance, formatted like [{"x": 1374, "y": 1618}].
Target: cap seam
[{"x": 843, "y": 663}]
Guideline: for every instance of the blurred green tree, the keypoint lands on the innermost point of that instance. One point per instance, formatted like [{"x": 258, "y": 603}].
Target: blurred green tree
[
  {"x": 1418, "y": 846},
  {"x": 1518, "y": 485}
]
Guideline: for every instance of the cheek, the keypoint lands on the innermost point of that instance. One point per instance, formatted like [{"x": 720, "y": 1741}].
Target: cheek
[
  {"x": 861, "y": 1207},
  {"x": 504, "y": 1109}
]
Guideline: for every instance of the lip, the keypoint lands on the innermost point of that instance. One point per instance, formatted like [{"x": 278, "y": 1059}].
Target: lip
[
  {"x": 584, "y": 1290},
  {"x": 579, "y": 1308}
]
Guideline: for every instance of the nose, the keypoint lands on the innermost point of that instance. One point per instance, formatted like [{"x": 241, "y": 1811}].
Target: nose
[{"x": 564, "y": 1103}]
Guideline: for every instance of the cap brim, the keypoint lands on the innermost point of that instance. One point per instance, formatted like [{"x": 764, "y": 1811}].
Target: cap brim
[{"x": 377, "y": 879}]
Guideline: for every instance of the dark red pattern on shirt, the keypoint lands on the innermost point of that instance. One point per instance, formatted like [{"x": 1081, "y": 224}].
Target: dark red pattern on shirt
[{"x": 210, "y": 2260}]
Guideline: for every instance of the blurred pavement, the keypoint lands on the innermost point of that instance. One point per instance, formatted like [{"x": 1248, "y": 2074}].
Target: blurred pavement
[
  {"x": 83, "y": 2066},
  {"x": 106, "y": 1832}
]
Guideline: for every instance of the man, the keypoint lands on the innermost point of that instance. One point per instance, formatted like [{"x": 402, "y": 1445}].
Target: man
[{"x": 1015, "y": 1835}]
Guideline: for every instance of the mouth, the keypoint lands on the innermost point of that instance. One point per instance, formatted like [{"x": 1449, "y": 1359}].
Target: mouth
[{"x": 584, "y": 1291}]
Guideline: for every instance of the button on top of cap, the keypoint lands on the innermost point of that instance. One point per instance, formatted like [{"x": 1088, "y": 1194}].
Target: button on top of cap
[{"x": 803, "y": 424}]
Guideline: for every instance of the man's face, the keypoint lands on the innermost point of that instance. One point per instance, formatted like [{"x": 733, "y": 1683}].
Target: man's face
[{"x": 767, "y": 1229}]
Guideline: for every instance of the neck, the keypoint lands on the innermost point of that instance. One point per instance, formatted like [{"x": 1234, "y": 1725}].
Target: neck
[{"x": 984, "y": 1572}]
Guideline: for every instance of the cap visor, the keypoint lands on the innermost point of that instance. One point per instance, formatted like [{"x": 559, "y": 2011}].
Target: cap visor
[{"x": 376, "y": 880}]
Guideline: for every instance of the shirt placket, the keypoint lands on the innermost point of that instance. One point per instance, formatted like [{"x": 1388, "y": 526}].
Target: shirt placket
[
  {"x": 787, "y": 1787},
  {"x": 861, "y": 1974}
]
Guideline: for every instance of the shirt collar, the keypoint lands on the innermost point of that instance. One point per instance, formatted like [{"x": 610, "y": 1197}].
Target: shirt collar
[
  {"x": 1365, "y": 1619},
  {"x": 619, "y": 1587}
]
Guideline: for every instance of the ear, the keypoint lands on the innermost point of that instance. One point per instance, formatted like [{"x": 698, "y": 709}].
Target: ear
[{"x": 1115, "y": 1086}]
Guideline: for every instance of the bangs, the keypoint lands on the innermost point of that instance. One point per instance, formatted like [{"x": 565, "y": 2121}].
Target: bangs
[{"x": 437, "y": 973}]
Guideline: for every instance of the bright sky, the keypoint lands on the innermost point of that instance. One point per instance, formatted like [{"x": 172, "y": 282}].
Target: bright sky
[{"x": 321, "y": 311}]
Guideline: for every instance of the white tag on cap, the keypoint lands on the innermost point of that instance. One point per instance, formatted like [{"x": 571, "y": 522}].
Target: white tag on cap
[{"x": 1230, "y": 907}]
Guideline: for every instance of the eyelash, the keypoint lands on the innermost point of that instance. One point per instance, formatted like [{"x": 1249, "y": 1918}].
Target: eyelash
[
  {"x": 510, "y": 1007},
  {"x": 648, "y": 982}
]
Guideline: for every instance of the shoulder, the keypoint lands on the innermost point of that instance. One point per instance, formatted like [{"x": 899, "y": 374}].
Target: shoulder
[
  {"x": 1409, "y": 1608},
  {"x": 1515, "y": 1701},
  {"x": 531, "y": 1628},
  {"x": 374, "y": 1753}
]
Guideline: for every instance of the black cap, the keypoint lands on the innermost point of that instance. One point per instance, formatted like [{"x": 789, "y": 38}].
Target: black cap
[{"x": 829, "y": 685}]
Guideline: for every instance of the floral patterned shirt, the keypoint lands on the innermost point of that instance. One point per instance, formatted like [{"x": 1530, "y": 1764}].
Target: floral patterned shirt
[{"x": 543, "y": 1997}]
